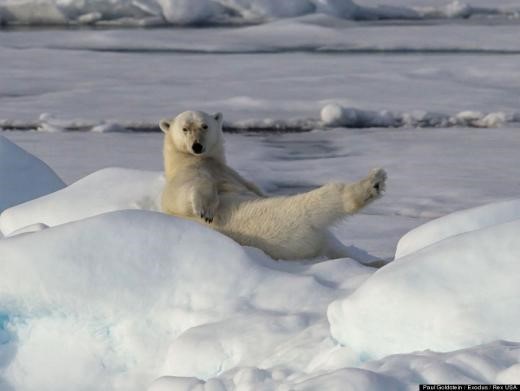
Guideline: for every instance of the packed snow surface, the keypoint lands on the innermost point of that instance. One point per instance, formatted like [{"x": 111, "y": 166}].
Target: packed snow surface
[{"x": 95, "y": 280}]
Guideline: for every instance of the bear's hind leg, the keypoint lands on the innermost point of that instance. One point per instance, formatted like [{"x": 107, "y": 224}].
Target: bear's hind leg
[
  {"x": 295, "y": 227},
  {"x": 324, "y": 206}
]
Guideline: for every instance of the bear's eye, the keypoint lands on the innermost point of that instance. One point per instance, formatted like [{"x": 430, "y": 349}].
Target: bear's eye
[
  {"x": 185, "y": 130},
  {"x": 204, "y": 126}
]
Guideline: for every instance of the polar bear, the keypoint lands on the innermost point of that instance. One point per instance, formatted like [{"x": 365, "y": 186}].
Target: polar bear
[{"x": 200, "y": 186}]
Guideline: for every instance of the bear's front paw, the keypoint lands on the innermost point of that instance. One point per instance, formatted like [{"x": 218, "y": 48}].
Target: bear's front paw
[
  {"x": 207, "y": 216},
  {"x": 206, "y": 211},
  {"x": 375, "y": 184}
]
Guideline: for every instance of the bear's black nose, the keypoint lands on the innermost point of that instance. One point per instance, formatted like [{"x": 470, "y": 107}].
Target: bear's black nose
[{"x": 197, "y": 148}]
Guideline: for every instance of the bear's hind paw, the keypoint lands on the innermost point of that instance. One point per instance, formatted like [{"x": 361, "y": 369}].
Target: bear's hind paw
[{"x": 376, "y": 184}]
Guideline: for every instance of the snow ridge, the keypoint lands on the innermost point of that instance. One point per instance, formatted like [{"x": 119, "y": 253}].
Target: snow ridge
[
  {"x": 146, "y": 13},
  {"x": 331, "y": 116}
]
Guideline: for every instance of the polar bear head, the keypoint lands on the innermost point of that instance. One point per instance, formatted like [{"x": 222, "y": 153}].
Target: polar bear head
[{"x": 195, "y": 132}]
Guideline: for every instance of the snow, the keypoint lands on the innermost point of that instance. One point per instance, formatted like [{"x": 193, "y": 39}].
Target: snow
[
  {"x": 23, "y": 176},
  {"x": 126, "y": 276},
  {"x": 333, "y": 115},
  {"x": 27, "y": 229},
  {"x": 93, "y": 279},
  {"x": 487, "y": 364},
  {"x": 172, "y": 383},
  {"x": 93, "y": 195},
  {"x": 110, "y": 291},
  {"x": 125, "y": 296},
  {"x": 457, "y": 223},
  {"x": 457, "y": 293}
]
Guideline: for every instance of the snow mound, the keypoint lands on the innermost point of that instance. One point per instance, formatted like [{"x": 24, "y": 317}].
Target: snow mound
[
  {"x": 492, "y": 363},
  {"x": 459, "y": 292},
  {"x": 483, "y": 364},
  {"x": 334, "y": 115},
  {"x": 23, "y": 177},
  {"x": 457, "y": 223},
  {"x": 120, "y": 287},
  {"x": 158, "y": 250},
  {"x": 196, "y": 354},
  {"x": 196, "y": 12},
  {"x": 103, "y": 191}
]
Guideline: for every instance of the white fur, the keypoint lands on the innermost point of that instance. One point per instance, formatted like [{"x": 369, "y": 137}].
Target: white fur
[{"x": 202, "y": 187}]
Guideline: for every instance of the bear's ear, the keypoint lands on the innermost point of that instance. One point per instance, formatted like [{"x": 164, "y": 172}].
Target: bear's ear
[
  {"x": 218, "y": 117},
  {"x": 165, "y": 125}
]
